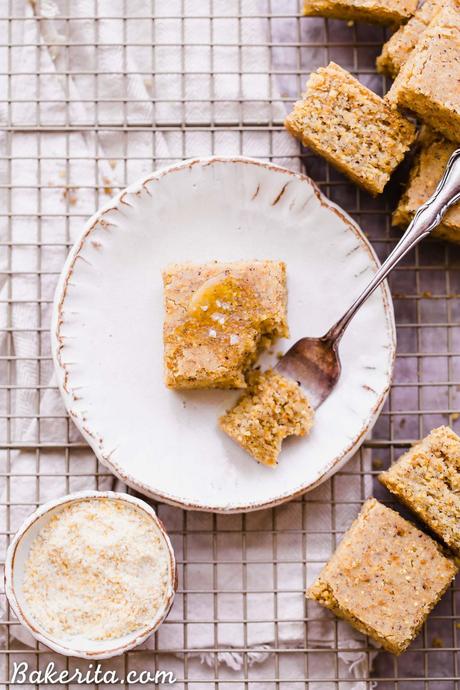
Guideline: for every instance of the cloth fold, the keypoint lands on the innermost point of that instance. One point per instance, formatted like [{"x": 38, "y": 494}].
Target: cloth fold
[{"x": 242, "y": 584}]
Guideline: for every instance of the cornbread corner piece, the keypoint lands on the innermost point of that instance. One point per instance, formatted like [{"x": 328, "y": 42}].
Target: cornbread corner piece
[
  {"x": 272, "y": 408},
  {"x": 351, "y": 126},
  {"x": 385, "y": 577},
  {"x": 428, "y": 82},
  {"x": 427, "y": 170},
  {"x": 377, "y": 11},
  {"x": 218, "y": 318},
  {"x": 400, "y": 45},
  {"x": 427, "y": 480}
]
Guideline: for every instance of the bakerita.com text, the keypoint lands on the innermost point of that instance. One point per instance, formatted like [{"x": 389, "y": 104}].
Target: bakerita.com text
[{"x": 51, "y": 675}]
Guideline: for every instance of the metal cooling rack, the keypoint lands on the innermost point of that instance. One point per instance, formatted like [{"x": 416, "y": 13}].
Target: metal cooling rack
[{"x": 425, "y": 392}]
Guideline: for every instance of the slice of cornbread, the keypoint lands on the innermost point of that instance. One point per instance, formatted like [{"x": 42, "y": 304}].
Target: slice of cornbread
[
  {"x": 427, "y": 480},
  {"x": 273, "y": 408},
  {"x": 428, "y": 83},
  {"x": 351, "y": 126},
  {"x": 401, "y": 44},
  {"x": 385, "y": 577},
  {"x": 378, "y": 11},
  {"x": 426, "y": 172},
  {"x": 218, "y": 317}
]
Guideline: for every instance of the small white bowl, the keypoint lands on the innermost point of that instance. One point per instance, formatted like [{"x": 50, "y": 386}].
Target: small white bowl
[{"x": 16, "y": 558}]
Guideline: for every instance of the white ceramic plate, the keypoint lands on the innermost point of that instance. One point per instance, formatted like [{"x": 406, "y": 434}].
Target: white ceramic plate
[{"x": 107, "y": 330}]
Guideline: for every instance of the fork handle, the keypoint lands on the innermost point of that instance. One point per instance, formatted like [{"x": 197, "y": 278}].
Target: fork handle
[{"x": 428, "y": 217}]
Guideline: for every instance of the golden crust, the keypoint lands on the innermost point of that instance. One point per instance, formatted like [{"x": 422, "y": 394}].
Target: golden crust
[
  {"x": 427, "y": 480},
  {"x": 384, "y": 577},
  {"x": 376, "y": 11},
  {"x": 428, "y": 82},
  {"x": 400, "y": 45},
  {"x": 218, "y": 318},
  {"x": 352, "y": 127},
  {"x": 273, "y": 408}
]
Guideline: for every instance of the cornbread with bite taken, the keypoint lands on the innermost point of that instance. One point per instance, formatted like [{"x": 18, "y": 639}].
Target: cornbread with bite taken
[
  {"x": 272, "y": 408},
  {"x": 427, "y": 169},
  {"x": 400, "y": 45},
  {"x": 427, "y": 480},
  {"x": 351, "y": 127},
  {"x": 428, "y": 83},
  {"x": 218, "y": 318},
  {"x": 384, "y": 577},
  {"x": 376, "y": 11}
]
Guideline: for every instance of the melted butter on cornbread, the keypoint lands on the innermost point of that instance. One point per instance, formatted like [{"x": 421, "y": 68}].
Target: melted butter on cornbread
[
  {"x": 218, "y": 319},
  {"x": 221, "y": 300}
]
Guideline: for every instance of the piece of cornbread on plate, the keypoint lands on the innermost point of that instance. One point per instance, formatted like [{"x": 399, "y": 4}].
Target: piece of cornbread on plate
[
  {"x": 427, "y": 480},
  {"x": 426, "y": 172},
  {"x": 378, "y": 11},
  {"x": 272, "y": 408},
  {"x": 428, "y": 83},
  {"x": 384, "y": 577},
  {"x": 351, "y": 126},
  {"x": 400, "y": 45},
  {"x": 218, "y": 318}
]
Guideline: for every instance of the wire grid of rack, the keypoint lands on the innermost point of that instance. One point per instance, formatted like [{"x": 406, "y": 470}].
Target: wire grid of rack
[{"x": 426, "y": 291}]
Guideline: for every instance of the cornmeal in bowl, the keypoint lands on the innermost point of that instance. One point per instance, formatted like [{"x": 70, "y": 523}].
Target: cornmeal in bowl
[
  {"x": 218, "y": 318},
  {"x": 272, "y": 408},
  {"x": 98, "y": 570}
]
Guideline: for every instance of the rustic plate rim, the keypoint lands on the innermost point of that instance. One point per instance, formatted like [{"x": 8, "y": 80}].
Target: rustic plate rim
[{"x": 63, "y": 377}]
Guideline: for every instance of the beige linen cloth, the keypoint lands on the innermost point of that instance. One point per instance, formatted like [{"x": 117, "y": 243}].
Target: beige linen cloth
[{"x": 218, "y": 615}]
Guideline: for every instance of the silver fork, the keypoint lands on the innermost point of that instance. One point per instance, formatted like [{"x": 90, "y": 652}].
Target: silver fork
[{"x": 315, "y": 362}]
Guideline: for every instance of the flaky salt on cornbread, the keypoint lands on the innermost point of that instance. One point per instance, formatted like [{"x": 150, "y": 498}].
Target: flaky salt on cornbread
[
  {"x": 427, "y": 480},
  {"x": 218, "y": 318},
  {"x": 352, "y": 127},
  {"x": 385, "y": 577},
  {"x": 400, "y": 45},
  {"x": 272, "y": 408},
  {"x": 426, "y": 172},
  {"x": 377, "y": 11},
  {"x": 428, "y": 83}
]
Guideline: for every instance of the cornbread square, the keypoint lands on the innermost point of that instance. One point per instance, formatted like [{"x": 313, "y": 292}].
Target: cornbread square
[
  {"x": 426, "y": 172},
  {"x": 385, "y": 577},
  {"x": 218, "y": 318},
  {"x": 378, "y": 11},
  {"x": 351, "y": 126},
  {"x": 428, "y": 83},
  {"x": 272, "y": 408},
  {"x": 400, "y": 45},
  {"x": 427, "y": 480}
]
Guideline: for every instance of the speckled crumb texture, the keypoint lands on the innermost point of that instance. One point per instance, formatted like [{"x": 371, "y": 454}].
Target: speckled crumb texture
[
  {"x": 352, "y": 127},
  {"x": 400, "y": 45},
  {"x": 385, "y": 577},
  {"x": 427, "y": 480},
  {"x": 427, "y": 169},
  {"x": 218, "y": 318},
  {"x": 377, "y": 11},
  {"x": 273, "y": 408},
  {"x": 428, "y": 83}
]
